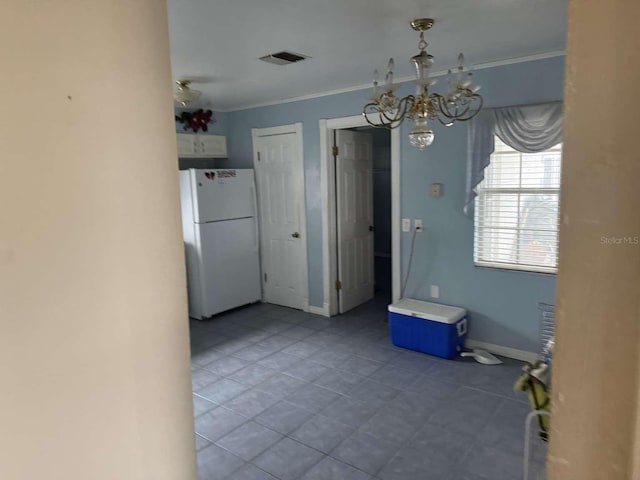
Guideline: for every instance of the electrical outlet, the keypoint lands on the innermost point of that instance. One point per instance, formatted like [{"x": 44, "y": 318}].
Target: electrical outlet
[
  {"x": 406, "y": 224},
  {"x": 435, "y": 291},
  {"x": 417, "y": 224},
  {"x": 436, "y": 190}
]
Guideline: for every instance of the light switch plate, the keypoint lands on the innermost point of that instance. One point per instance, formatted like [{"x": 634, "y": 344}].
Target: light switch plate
[
  {"x": 436, "y": 190},
  {"x": 435, "y": 291},
  {"x": 406, "y": 224}
]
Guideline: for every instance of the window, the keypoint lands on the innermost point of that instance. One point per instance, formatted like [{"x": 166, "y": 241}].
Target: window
[{"x": 516, "y": 211}]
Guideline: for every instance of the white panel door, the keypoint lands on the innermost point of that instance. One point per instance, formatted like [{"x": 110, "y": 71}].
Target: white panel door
[
  {"x": 280, "y": 185},
  {"x": 354, "y": 192}
]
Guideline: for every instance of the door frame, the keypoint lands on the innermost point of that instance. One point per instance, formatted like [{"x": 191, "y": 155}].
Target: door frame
[
  {"x": 329, "y": 227},
  {"x": 281, "y": 130}
]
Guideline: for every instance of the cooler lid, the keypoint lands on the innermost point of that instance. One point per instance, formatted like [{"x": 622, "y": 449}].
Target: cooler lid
[{"x": 427, "y": 310}]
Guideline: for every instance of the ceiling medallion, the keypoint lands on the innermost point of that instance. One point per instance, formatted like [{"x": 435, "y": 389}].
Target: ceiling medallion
[{"x": 460, "y": 103}]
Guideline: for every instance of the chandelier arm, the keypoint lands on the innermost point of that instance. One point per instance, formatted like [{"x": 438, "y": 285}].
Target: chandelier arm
[
  {"x": 475, "y": 111},
  {"x": 401, "y": 111}
]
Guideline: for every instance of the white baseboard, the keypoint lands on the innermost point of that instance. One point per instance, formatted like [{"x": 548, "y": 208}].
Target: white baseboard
[
  {"x": 324, "y": 310},
  {"x": 508, "y": 352}
]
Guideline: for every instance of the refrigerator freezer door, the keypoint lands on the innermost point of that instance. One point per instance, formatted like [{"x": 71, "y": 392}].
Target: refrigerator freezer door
[
  {"x": 230, "y": 265},
  {"x": 222, "y": 194}
]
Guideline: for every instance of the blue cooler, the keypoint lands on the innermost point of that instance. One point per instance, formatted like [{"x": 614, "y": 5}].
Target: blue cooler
[{"x": 428, "y": 327}]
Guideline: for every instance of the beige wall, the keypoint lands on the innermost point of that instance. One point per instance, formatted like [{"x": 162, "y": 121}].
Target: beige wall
[
  {"x": 598, "y": 299},
  {"x": 94, "y": 354}
]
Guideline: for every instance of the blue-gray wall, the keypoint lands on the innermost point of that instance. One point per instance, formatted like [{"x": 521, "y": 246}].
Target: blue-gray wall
[{"x": 502, "y": 304}]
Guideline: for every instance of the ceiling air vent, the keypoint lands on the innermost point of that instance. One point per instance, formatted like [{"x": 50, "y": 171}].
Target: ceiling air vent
[{"x": 283, "y": 58}]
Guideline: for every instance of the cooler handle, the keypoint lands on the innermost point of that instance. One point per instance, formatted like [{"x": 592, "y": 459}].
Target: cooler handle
[{"x": 462, "y": 327}]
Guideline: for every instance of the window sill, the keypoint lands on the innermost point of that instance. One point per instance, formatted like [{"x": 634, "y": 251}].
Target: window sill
[{"x": 516, "y": 268}]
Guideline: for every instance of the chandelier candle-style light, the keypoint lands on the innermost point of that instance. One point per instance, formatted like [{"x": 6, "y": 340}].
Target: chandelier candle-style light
[{"x": 461, "y": 103}]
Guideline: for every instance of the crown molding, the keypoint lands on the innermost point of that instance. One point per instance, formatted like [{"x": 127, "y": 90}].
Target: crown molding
[{"x": 353, "y": 88}]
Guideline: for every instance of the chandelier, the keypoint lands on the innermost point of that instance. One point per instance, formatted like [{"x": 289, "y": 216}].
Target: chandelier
[
  {"x": 460, "y": 103},
  {"x": 183, "y": 94}
]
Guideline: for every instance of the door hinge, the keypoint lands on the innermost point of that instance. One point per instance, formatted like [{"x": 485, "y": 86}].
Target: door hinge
[
  {"x": 258, "y": 156},
  {"x": 335, "y": 150},
  {"x": 338, "y": 285},
  {"x": 265, "y": 278}
]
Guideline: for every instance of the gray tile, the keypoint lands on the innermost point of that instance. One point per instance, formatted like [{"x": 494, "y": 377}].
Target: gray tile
[
  {"x": 201, "y": 405},
  {"x": 281, "y": 385},
  {"x": 373, "y": 393},
  {"x": 380, "y": 353},
  {"x": 201, "y": 442},
  {"x": 231, "y": 346},
  {"x": 317, "y": 323},
  {"x": 395, "y": 377},
  {"x": 279, "y": 361},
  {"x": 256, "y": 335},
  {"x": 339, "y": 381},
  {"x": 413, "y": 407},
  {"x": 306, "y": 370},
  {"x": 206, "y": 356},
  {"x": 312, "y": 397},
  {"x": 250, "y": 472},
  {"x": 276, "y": 326},
  {"x": 214, "y": 463},
  {"x": 322, "y": 433},
  {"x": 253, "y": 353},
  {"x": 506, "y": 429},
  {"x": 251, "y": 403},
  {"x": 467, "y": 411},
  {"x": 222, "y": 390},
  {"x": 330, "y": 469},
  {"x": 298, "y": 332},
  {"x": 288, "y": 459},
  {"x": 216, "y": 423},
  {"x": 493, "y": 464},
  {"x": 325, "y": 340},
  {"x": 201, "y": 378},
  {"x": 440, "y": 445},
  {"x": 330, "y": 358},
  {"x": 365, "y": 452},
  {"x": 389, "y": 427},
  {"x": 226, "y": 365},
  {"x": 412, "y": 465},
  {"x": 432, "y": 388},
  {"x": 252, "y": 375},
  {"x": 360, "y": 365},
  {"x": 302, "y": 349},
  {"x": 283, "y": 417},
  {"x": 249, "y": 440},
  {"x": 276, "y": 342},
  {"x": 349, "y": 411}
]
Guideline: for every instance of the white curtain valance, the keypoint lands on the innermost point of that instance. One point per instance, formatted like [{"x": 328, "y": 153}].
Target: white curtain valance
[{"x": 529, "y": 129}]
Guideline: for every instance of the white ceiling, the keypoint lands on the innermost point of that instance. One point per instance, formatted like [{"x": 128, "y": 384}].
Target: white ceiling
[{"x": 219, "y": 41}]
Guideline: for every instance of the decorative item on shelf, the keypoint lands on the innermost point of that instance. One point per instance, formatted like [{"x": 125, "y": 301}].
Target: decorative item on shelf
[
  {"x": 196, "y": 120},
  {"x": 183, "y": 94},
  {"x": 460, "y": 103}
]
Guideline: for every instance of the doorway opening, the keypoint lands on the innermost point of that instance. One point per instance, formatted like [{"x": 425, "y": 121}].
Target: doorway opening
[{"x": 361, "y": 210}]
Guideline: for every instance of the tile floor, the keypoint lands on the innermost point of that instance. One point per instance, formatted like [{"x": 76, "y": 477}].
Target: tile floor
[{"x": 282, "y": 394}]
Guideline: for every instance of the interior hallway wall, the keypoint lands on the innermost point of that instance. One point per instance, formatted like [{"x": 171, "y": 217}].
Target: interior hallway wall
[
  {"x": 94, "y": 351},
  {"x": 595, "y": 431}
]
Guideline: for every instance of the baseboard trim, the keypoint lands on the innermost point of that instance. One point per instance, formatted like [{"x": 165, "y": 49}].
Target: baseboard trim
[
  {"x": 508, "y": 352},
  {"x": 324, "y": 310}
]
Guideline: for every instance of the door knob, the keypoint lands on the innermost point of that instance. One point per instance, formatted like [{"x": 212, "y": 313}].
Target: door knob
[
  {"x": 372, "y": 228},
  {"x": 295, "y": 235}
]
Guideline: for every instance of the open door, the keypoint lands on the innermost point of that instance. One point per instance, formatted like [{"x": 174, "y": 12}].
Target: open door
[{"x": 354, "y": 218}]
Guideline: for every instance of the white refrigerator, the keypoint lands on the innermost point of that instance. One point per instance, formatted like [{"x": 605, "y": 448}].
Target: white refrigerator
[{"x": 221, "y": 239}]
